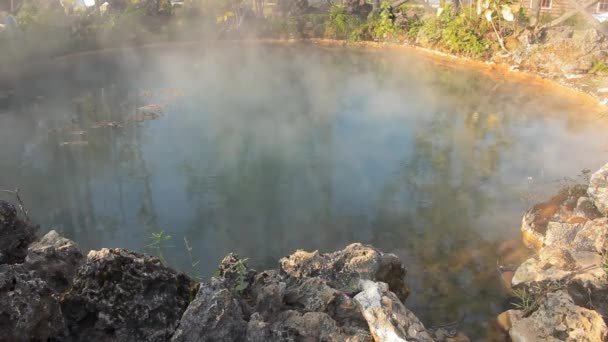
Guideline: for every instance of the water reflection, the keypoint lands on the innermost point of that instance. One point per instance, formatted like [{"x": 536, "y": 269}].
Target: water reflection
[{"x": 263, "y": 151}]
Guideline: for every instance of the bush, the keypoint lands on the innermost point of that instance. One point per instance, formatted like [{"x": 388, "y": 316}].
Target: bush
[
  {"x": 341, "y": 25},
  {"x": 383, "y": 26},
  {"x": 456, "y": 33}
]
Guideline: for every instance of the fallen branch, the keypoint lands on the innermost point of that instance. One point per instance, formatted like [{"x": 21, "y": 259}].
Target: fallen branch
[
  {"x": 572, "y": 13},
  {"x": 20, "y": 201}
]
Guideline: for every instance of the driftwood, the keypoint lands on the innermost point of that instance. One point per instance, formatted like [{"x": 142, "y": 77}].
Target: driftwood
[{"x": 577, "y": 8}]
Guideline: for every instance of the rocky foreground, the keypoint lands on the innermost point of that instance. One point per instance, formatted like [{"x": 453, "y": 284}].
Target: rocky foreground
[
  {"x": 563, "y": 290},
  {"x": 50, "y": 291}
]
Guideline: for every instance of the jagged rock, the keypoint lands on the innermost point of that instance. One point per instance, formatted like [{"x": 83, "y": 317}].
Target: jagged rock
[
  {"x": 292, "y": 325},
  {"x": 560, "y": 264},
  {"x": 268, "y": 290},
  {"x": 214, "y": 315},
  {"x": 585, "y": 208},
  {"x": 557, "y": 319},
  {"x": 344, "y": 269},
  {"x": 593, "y": 237},
  {"x": 562, "y": 208},
  {"x": 598, "y": 189},
  {"x": 124, "y": 296},
  {"x": 55, "y": 260},
  {"x": 15, "y": 235},
  {"x": 388, "y": 318},
  {"x": 28, "y": 311}
]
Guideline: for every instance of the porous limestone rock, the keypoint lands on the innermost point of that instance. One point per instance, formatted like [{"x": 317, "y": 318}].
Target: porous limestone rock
[
  {"x": 598, "y": 189},
  {"x": 119, "y": 295},
  {"x": 344, "y": 269},
  {"x": 15, "y": 235},
  {"x": 55, "y": 260},
  {"x": 28, "y": 311},
  {"x": 558, "y": 318},
  {"x": 214, "y": 315}
]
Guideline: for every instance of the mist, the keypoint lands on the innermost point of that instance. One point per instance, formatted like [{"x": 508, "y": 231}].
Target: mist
[{"x": 263, "y": 149}]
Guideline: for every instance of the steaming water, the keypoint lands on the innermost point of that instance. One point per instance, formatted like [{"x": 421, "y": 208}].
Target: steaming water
[{"x": 264, "y": 151}]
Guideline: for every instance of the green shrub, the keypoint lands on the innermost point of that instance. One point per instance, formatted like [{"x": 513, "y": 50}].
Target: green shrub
[
  {"x": 383, "y": 26},
  {"x": 456, "y": 32},
  {"x": 341, "y": 25},
  {"x": 599, "y": 68}
]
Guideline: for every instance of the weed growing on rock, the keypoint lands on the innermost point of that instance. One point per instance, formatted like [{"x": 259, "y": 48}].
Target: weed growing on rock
[
  {"x": 241, "y": 270},
  {"x": 599, "y": 68},
  {"x": 525, "y": 299},
  {"x": 194, "y": 271},
  {"x": 158, "y": 244}
]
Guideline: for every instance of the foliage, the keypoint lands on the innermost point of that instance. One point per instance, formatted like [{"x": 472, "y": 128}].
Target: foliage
[
  {"x": 524, "y": 299},
  {"x": 158, "y": 244},
  {"x": 456, "y": 32},
  {"x": 240, "y": 267},
  {"x": 413, "y": 29},
  {"x": 599, "y": 68},
  {"x": 383, "y": 26},
  {"x": 341, "y": 25},
  {"x": 522, "y": 17},
  {"x": 194, "y": 272}
]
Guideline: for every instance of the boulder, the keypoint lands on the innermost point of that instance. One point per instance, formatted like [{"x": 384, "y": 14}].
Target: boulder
[
  {"x": 558, "y": 318},
  {"x": 387, "y": 317},
  {"x": 344, "y": 269},
  {"x": 569, "y": 206},
  {"x": 560, "y": 264},
  {"x": 214, "y": 315},
  {"x": 55, "y": 260},
  {"x": 28, "y": 311},
  {"x": 119, "y": 295},
  {"x": 598, "y": 189},
  {"x": 15, "y": 235}
]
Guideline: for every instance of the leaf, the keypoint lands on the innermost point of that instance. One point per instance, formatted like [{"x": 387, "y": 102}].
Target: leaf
[
  {"x": 241, "y": 286},
  {"x": 507, "y": 14},
  {"x": 439, "y": 11},
  {"x": 486, "y": 4},
  {"x": 488, "y": 14}
]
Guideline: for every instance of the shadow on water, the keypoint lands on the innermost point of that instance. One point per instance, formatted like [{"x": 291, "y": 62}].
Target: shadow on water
[{"x": 263, "y": 151}]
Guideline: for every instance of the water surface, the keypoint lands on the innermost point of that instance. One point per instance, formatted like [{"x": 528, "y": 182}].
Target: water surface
[{"x": 265, "y": 150}]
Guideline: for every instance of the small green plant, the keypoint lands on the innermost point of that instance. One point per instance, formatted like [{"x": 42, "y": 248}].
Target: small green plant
[
  {"x": 240, "y": 267},
  {"x": 158, "y": 244},
  {"x": 599, "y": 68},
  {"x": 194, "y": 271},
  {"x": 525, "y": 299}
]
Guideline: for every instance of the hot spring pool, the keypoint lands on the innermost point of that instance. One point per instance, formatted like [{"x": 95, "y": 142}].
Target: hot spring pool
[{"x": 264, "y": 150}]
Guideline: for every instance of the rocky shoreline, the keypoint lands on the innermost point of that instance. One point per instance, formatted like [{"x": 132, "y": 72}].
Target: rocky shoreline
[
  {"x": 51, "y": 291},
  {"x": 562, "y": 290}
]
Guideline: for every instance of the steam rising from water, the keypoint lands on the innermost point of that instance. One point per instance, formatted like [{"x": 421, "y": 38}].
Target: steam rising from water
[{"x": 262, "y": 150}]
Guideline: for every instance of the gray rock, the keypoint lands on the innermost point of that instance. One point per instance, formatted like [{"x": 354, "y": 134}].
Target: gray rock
[
  {"x": 560, "y": 264},
  {"x": 558, "y": 319},
  {"x": 388, "y": 318},
  {"x": 28, "y": 311},
  {"x": 124, "y": 296},
  {"x": 55, "y": 260},
  {"x": 15, "y": 235},
  {"x": 585, "y": 208},
  {"x": 292, "y": 325},
  {"x": 598, "y": 189},
  {"x": 214, "y": 315},
  {"x": 344, "y": 269}
]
